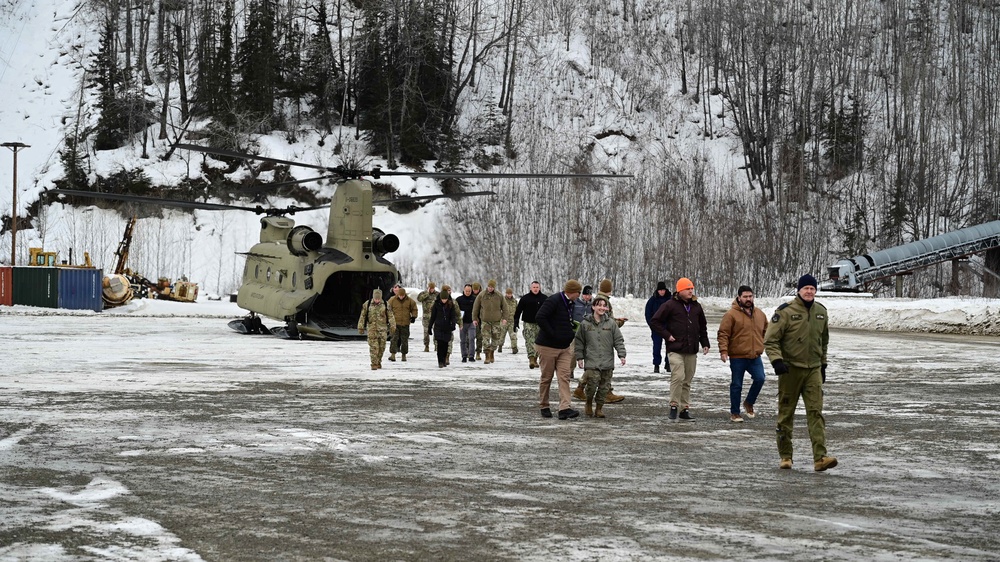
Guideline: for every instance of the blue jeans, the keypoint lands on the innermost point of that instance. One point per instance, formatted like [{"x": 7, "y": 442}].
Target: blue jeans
[
  {"x": 739, "y": 366},
  {"x": 657, "y": 345}
]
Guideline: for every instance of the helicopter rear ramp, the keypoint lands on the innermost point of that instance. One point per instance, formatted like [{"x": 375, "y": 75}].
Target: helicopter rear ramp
[{"x": 851, "y": 274}]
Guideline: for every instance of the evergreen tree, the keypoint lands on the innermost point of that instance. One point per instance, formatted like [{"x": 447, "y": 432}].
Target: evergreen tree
[
  {"x": 843, "y": 137},
  {"x": 123, "y": 105},
  {"x": 322, "y": 80},
  {"x": 73, "y": 158},
  {"x": 403, "y": 93},
  {"x": 257, "y": 61}
]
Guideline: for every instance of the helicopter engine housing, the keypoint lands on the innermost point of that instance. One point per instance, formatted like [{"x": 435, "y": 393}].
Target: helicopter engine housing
[
  {"x": 383, "y": 243},
  {"x": 302, "y": 240},
  {"x": 275, "y": 229}
]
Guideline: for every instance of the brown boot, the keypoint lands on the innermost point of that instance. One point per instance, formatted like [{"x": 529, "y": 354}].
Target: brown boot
[
  {"x": 579, "y": 394},
  {"x": 427, "y": 348},
  {"x": 589, "y": 408},
  {"x": 392, "y": 357},
  {"x": 374, "y": 366},
  {"x": 403, "y": 358},
  {"x": 599, "y": 412},
  {"x": 532, "y": 363},
  {"x": 479, "y": 356},
  {"x": 613, "y": 398}
]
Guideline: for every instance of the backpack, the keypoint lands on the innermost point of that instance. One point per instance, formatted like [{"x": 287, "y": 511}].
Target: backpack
[{"x": 384, "y": 304}]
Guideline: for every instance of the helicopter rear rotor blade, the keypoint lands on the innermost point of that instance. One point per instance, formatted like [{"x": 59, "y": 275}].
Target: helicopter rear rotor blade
[
  {"x": 245, "y": 156},
  {"x": 489, "y": 175},
  {"x": 431, "y": 197}
]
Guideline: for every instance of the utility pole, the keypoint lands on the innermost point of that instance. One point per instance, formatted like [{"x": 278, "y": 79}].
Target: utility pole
[{"x": 14, "y": 146}]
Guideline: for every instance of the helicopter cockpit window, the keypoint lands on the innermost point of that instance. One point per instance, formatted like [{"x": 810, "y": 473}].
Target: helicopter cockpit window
[
  {"x": 269, "y": 274},
  {"x": 256, "y": 271},
  {"x": 293, "y": 279}
]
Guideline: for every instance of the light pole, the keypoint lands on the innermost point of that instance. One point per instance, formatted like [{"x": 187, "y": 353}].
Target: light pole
[{"x": 14, "y": 146}]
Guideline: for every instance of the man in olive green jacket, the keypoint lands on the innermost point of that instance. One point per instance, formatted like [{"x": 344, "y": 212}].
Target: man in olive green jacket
[
  {"x": 796, "y": 342},
  {"x": 489, "y": 314}
]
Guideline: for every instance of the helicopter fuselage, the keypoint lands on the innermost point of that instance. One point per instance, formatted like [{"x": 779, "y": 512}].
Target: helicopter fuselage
[{"x": 317, "y": 288}]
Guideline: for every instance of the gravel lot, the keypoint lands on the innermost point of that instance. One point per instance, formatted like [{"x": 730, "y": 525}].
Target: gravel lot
[{"x": 176, "y": 439}]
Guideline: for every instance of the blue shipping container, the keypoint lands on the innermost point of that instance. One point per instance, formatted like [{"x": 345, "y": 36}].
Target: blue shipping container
[{"x": 80, "y": 289}]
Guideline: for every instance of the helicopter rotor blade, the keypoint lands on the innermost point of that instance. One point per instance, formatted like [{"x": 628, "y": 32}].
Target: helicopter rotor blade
[
  {"x": 245, "y": 156},
  {"x": 431, "y": 197},
  {"x": 377, "y": 172},
  {"x": 268, "y": 186},
  {"x": 157, "y": 201}
]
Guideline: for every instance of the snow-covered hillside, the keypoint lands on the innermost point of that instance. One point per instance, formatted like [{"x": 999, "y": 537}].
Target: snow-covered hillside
[{"x": 637, "y": 88}]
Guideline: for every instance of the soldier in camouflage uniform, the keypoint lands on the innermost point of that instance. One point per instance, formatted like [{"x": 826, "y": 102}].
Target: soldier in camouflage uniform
[
  {"x": 476, "y": 289},
  {"x": 380, "y": 325},
  {"x": 509, "y": 329},
  {"x": 489, "y": 315},
  {"x": 796, "y": 342},
  {"x": 426, "y": 300}
]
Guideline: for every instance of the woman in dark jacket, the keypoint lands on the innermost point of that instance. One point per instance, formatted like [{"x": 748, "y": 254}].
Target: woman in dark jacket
[{"x": 443, "y": 322}]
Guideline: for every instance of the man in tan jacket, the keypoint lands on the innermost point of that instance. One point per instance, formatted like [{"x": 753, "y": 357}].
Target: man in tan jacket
[
  {"x": 741, "y": 342},
  {"x": 404, "y": 310}
]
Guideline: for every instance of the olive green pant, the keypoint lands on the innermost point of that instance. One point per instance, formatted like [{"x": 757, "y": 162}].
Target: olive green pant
[{"x": 807, "y": 383}]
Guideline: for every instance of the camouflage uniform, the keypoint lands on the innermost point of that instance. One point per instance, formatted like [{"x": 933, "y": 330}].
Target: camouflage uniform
[
  {"x": 490, "y": 311},
  {"x": 596, "y": 343},
  {"x": 458, "y": 315},
  {"x": 603, "y": 292},
  {"x": 476, "y": 289},
  {"x": 530, "y": 333},
  {"x": 426, "y": 300},
  {"x": 380, "y": 324},
  {"x": 509, "y": 330}
]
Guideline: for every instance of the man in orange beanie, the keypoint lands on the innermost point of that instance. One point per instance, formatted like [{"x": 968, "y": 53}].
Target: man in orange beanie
[{"x": 681, "y": 323}]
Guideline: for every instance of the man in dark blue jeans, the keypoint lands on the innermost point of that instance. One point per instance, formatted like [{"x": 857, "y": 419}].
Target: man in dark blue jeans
[
  {"x": 660, "y": 296},
  {"x": 741, "y": 341}
]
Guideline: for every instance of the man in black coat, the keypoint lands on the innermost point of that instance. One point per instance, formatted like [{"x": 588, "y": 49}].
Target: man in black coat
[
  {"x": 660, "y": 296},
  {"x": 556, "y": 331},
  {"x": 681, "y": 323},
  {"x": 467, "y": 339},
  {"x": 527, "y": 307}
]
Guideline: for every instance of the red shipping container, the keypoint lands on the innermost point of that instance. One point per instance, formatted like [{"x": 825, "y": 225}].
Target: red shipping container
[{"x": 6, "y": 285}]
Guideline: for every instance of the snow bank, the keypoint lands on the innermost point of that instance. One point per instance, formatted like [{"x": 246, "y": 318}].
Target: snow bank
[{"x": 973, "y": 316}]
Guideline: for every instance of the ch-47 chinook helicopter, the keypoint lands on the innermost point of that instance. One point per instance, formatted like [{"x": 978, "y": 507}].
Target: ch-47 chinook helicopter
[{"x": 317, "y": 287}]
